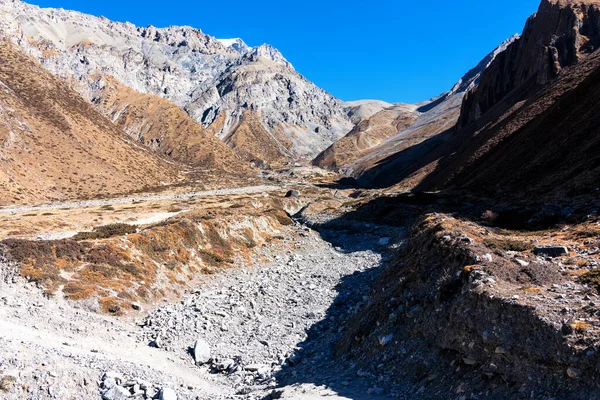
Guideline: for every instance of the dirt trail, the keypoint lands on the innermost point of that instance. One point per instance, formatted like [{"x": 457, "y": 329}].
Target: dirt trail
[{"x": 132, "y": 199}]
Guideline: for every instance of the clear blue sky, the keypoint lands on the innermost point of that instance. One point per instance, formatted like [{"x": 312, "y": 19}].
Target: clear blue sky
[{"x": 393, "y": 50}]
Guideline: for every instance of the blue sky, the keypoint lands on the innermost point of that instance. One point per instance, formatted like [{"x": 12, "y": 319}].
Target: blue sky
[{"x": 392, "y": 50}]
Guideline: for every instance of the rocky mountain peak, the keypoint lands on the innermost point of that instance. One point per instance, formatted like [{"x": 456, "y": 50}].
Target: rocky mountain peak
[
  {"x": 210, "y": 79},
  {"x": 271, "y": 53},
  {"x": 235, "y": 44},
  {"x": 560, "y": 34}
]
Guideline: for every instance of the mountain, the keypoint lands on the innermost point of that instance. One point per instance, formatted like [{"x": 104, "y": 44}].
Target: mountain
[
  {"x": 560, "y": 34},
  {"x": 361, "y": 109},
  {"x": 365, "y": 151},
  {"x": 366, "y": 135},
  {"x": 235, "y": 44},
  {"x": 210, "y": 79},
  {"x": 164, "y": 127},
  {"x": 54, "y": 145},
  {"x": 530, "y": 129},
  {"x": 528, "y": 132}
]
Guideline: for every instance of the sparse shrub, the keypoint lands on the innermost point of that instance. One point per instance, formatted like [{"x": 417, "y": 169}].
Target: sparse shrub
[
  {"x": 580, "y": 326},
  {"x": 592, "y": 278},
  {"x": 282, "y": 217},
  {"x": 532, "y": 290},
  {"x": 106, "y": 231},
  {"x": 587, "y": 232},
  {"x": 489, "y": 217},
  {"x": 7, "y": 382}
]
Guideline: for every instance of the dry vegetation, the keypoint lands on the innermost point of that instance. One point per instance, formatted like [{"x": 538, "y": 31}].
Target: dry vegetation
[
  {"x": 56, "y": 146},
  {"x": 117, "y": 265}
]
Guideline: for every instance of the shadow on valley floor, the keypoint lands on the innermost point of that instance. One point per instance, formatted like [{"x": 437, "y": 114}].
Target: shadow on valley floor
[{"x": 381, "y": 226}]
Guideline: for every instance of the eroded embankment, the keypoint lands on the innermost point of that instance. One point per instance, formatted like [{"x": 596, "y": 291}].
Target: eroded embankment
[
  {"x": 469, "y": 310},
  {"x": 118, "y": 265}
]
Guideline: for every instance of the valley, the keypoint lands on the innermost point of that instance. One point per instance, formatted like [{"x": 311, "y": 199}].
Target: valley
[{"x": 186, "y": 217}]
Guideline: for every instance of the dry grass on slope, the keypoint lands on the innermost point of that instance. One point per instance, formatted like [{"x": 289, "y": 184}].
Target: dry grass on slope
[
  {"x": 160, "y": 260},
  {"x": 55, "y": 146},
  {"x": 253, "y": 142},
  {"x": 166, "y": 128},
  {"x": 365, "y": 136}
]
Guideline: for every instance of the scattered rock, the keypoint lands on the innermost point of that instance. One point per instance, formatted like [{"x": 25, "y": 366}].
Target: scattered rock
[
  {"x": 202, "y": 353},
  {"x": 573, "y": 373}
]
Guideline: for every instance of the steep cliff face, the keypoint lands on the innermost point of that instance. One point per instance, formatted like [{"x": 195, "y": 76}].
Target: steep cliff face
[
  {"x": 560, "y": 34},
  {"x": 195, "y": 71}
]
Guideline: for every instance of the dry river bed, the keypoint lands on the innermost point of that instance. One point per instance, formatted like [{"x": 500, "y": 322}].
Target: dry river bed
[{"x": 253, "y": 328}]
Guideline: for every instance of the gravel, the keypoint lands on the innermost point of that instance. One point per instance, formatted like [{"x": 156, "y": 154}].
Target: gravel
[{"x": 232, "y": 337}]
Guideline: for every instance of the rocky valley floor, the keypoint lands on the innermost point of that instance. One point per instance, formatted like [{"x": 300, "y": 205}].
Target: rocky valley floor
[{"x": 266, "y": 322}]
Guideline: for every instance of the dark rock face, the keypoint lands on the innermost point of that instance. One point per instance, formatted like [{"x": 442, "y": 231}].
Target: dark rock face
[
  {"x": 560, "y": 34},
  {"x": 551, "y": 251}
]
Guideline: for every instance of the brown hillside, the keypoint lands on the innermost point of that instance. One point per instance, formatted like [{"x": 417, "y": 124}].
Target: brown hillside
[
  {"x": 550, "y": 146},
  {"x": 54, "y": 145},
  {"x": 366, "y": 135},
  {"x": 253, "y": 142},
  {"x": 164, "y": 127}
]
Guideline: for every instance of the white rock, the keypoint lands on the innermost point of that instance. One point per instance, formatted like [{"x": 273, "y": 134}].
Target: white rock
[
  {"x": 202, "y": 352},
  {"x": 167, "y": 394},
  {"x": 116, "y": 393}
]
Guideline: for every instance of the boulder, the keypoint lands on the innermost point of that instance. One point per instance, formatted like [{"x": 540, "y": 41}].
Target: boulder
[
  {"x": 116, "y": 393},
  {"x": 292, "y": 193},
  {"x": 201, "y": 352},
  {"x": 167, "y": 394}
]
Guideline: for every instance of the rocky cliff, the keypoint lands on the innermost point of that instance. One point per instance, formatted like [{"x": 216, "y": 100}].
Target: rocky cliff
[{"x": 560, "y": 34}]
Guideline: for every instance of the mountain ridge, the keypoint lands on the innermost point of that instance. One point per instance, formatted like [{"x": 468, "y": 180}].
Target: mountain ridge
[{"x": 183, "y": 65}]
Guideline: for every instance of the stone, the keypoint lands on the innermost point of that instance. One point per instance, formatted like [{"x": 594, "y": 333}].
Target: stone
[
  {"x": 292, "y": 193},
  {"x": 521, "y": 262},
  {"x": 386, "y": 339},
  {"x": 384, "y": 241},
  {"x": 551, "y": 251},
  {"x": 573, "y": 373},
  {"x": 167, "y": 394},
  {"x": 116, "y": 393},
  {"x": 202, "y": 352},
  {"x": 136, "y": 306},
  {"x": 254, "y": 367}
]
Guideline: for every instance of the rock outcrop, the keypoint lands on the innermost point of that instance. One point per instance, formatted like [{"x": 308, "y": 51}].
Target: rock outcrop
[
  {"x": 197, "y": 72},
  {"x": 560, "y": 34}
]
